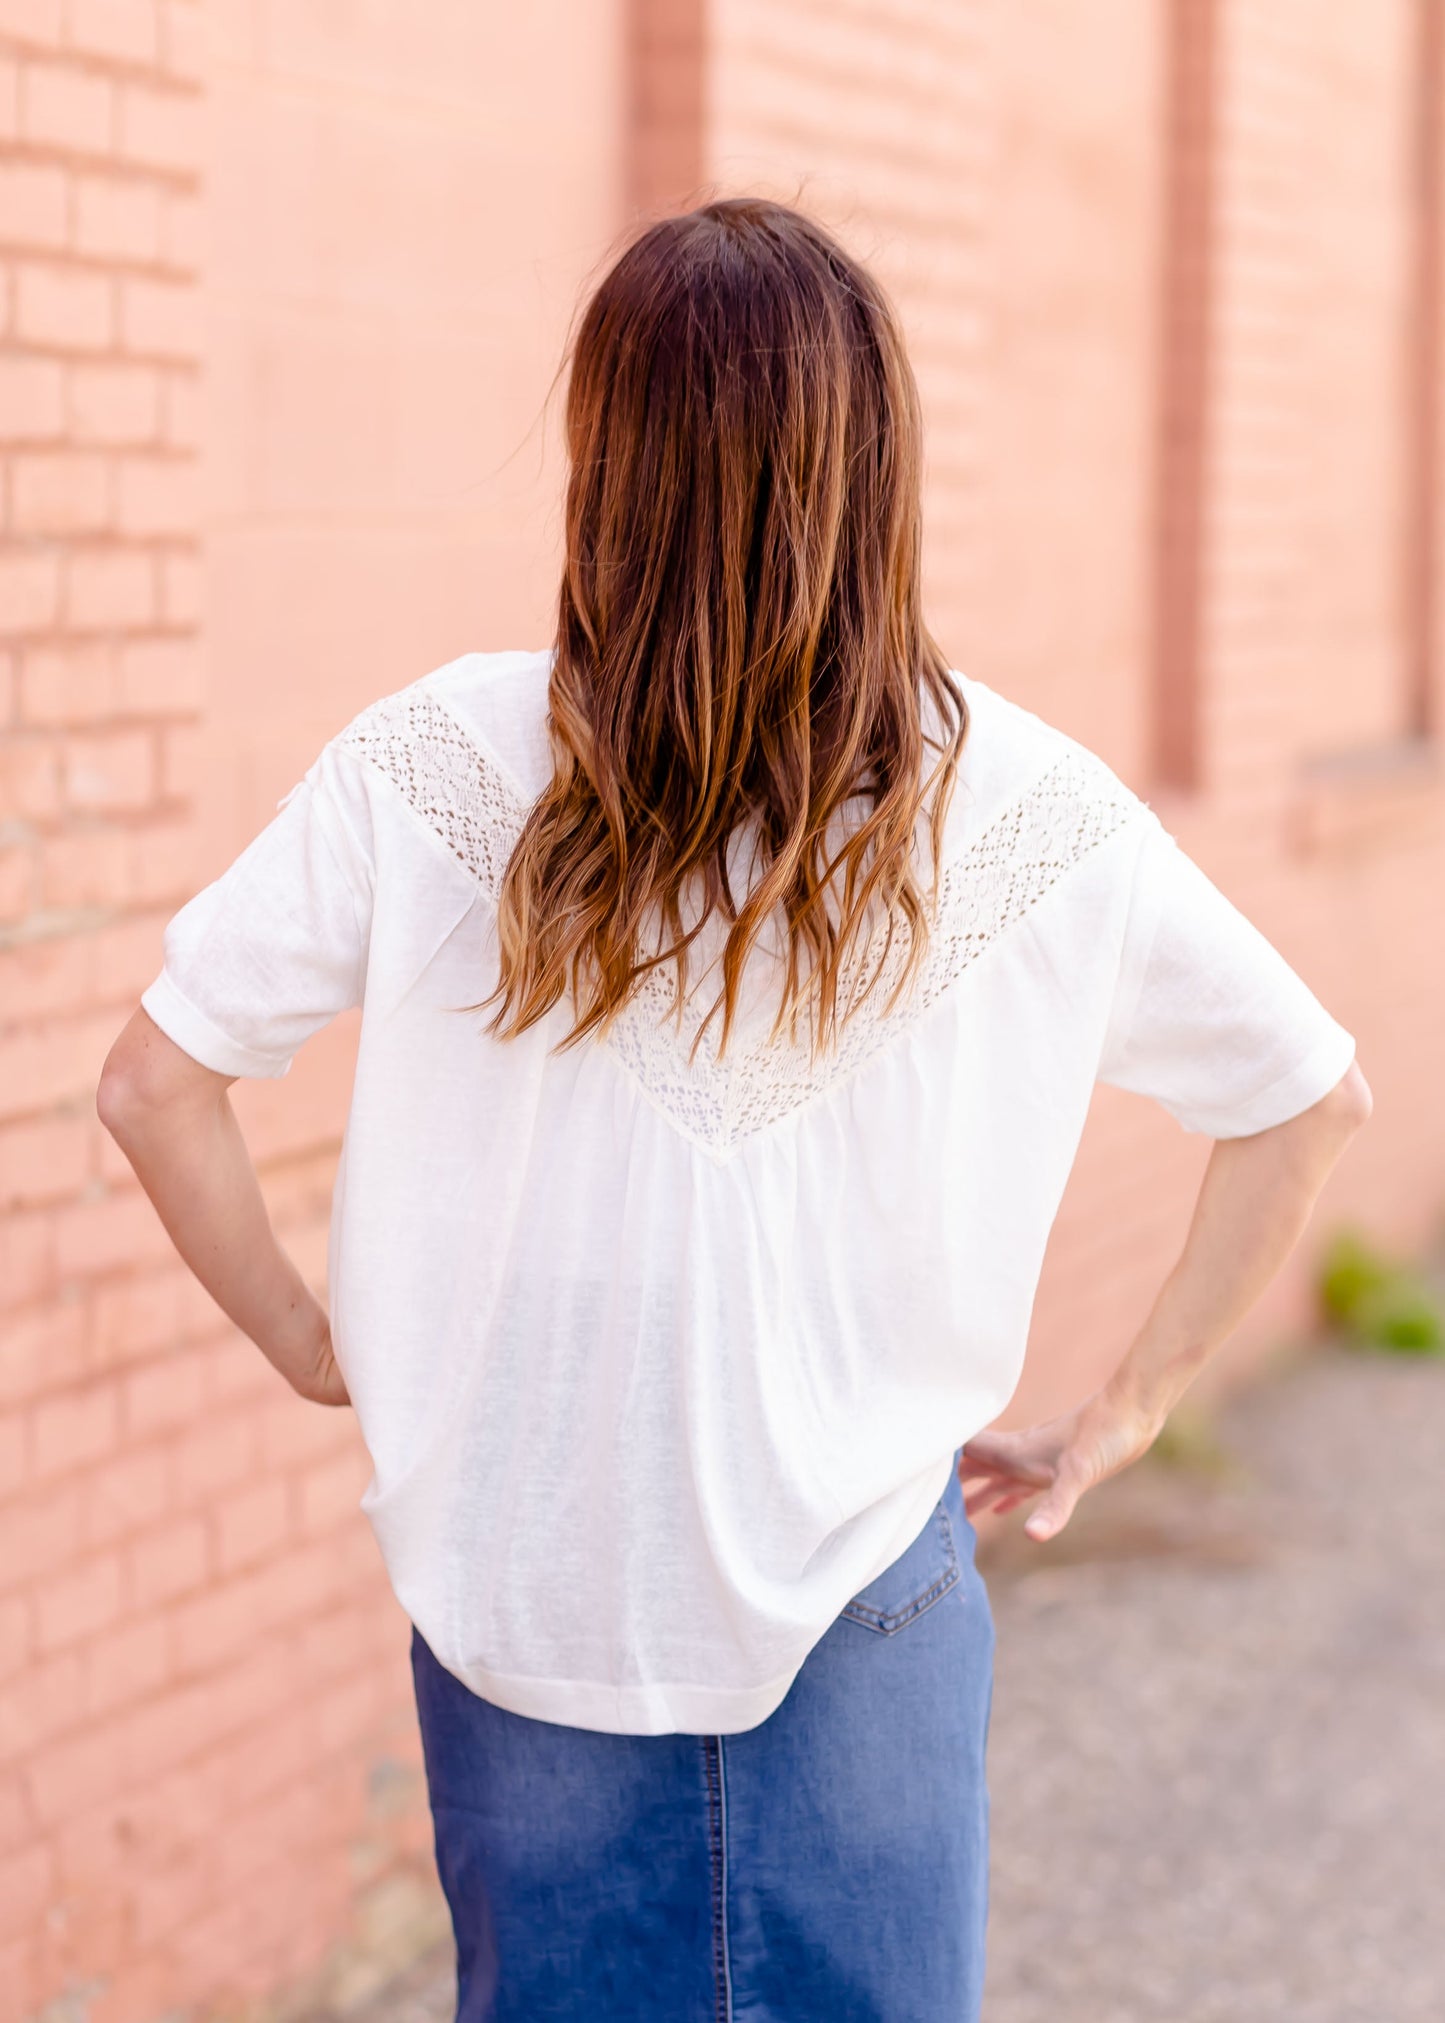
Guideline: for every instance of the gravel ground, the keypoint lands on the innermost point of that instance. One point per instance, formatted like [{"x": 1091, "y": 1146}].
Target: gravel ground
[
  {"x": 1217, "y": 1760},
  {"x": 1217, "y": 1756}
]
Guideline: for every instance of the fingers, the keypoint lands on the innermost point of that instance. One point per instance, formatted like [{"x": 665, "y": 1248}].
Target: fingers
[
  {"x": 995, "y": 1495},
  {"x": 993, "y": 1450},
  {"x": 1058, "y": 1506}
]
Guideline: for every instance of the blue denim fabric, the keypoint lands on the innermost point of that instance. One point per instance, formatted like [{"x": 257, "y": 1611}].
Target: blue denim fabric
[{"x": 830, "y": 1863}]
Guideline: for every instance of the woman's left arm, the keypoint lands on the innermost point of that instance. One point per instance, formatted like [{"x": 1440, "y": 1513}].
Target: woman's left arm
[{"x": 172, "y": 1118}]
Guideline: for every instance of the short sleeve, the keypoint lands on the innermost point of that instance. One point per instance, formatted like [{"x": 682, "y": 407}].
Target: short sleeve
[
  {"x": 275, "y": 947},
  {"x": 1208, "y": 1018}
]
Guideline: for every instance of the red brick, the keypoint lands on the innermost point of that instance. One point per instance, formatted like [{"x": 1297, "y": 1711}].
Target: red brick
[
  {"x": 69, "y": 1772},
  {"x": 114, "y": 402},
  {"x": 108, "y": 771},
  {"x": 185, "y": 757},
  {"x": 59, "y": 492},
  {"x": 161, "y": 128},
  {"x": 41, "y": 977},
  {"x": 140, "y": 1994},
  {"x": 162, "y": 319},
  {"x": 182, "y": 587},
  {"x": 87, "y": 868},
  {"x": 183, "y": 40},
  {"x": 63, "y": 106},
  {"x": 31, "y": 398},
  {"x": 29, "y": 589},
  {"x": 107, "y": 587},
  {"x": 207, "y": 1459},
  {"x": 252, "y": 1523},
  {"x": 127, "y": 955},
  {"x": 27, "y": 1882},
  {"x": 217, "y": 1624},
  {"x": 123, "y": 1665},
  {"x": 128, "y": 30},
  {"x": 118, "y": 1232},
  {"x": 166, "y": 1899},
  {"x": 41, "y": 1528},
  {"x": 170, "y": 1391},
  {"x": 74, "y": 1428},
  {"x": 32, "y": 204},
  {"x": 122, "y": 1496},
  {"x": 72, "y": 684},
  {"x": 293, "y": 1430},
  {"x": 43, "y": 1350},
  {"x": 163, "y": 863},
  {"x": 183, "y": 232},
  {"x": 329, "y": 1493},
  {"x": 30, "y": 778},
  {"x": 183, "y": 410},
  {"x": 163, "y": 676},
  {"x": 118, "y": 218},
  {"x": 17, "y": 882},
  {"x": 75, "y": 1603},
  {"x": 44, "y": 1704},
  {"x": 157, "y": 494},
  {"x": 69, "y": 308},
  {"x": 34, "y": 23},
  {"x": 27, "y": 1255},
  {"x": 43, "y": 1159},
  {"x": 17, "y": 1649},
  {"x": 134, "y": 1316},
  {"x": 171, "y": 1560},
  {"x": 240, "y": 1373},
  {"x": 54, "y": 1063},
  {"x": 163, "y": 1732}
]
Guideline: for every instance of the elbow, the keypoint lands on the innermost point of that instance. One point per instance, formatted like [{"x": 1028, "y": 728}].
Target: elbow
[
  {"x": 117, "y": 1100},
  {"x": 126, "y": 1087},
  {"x": 1351, "y": 1100}
]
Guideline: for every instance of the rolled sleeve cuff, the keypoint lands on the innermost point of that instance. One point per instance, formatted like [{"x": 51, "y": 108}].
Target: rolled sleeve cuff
[
  {"x": 195, "y": 1034},
  {"x": 1285, "y": 1097}
]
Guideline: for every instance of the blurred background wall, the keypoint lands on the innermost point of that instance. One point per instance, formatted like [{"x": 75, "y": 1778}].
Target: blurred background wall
[{"x": 284, "y": 291}]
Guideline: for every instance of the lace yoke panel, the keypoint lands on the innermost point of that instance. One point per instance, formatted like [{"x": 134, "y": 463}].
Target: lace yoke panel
[{"x": 461, "y": 792}]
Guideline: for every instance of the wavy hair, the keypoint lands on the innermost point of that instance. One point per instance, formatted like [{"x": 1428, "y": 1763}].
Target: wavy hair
[{"x": 739, "y": 637}]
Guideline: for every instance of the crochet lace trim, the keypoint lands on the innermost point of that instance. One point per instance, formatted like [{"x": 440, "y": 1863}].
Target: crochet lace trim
[{"x": 458, "y": 789}]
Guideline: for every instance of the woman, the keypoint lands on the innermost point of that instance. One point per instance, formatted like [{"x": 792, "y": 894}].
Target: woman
[{"x": 676, "y": 1296}]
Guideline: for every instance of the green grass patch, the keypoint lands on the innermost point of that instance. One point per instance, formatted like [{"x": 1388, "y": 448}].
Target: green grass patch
[{"x": 1378, "y": 1301}]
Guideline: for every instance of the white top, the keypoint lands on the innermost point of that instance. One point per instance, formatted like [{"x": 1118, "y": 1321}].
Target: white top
[{"x": 659, "y": 1364}]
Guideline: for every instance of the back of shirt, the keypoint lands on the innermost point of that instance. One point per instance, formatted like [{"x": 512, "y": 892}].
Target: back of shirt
[{"x": 659, "y": 1357}]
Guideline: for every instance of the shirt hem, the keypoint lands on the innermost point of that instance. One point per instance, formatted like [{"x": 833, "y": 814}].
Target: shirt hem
[
  {"x": 629, "y": 1710},
  {"x": 666, "y": 1708}
]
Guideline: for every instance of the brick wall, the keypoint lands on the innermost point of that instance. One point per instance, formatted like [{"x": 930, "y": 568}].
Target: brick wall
[
  {"x": 283, "y": 291},
  {"x": 100, "y": 608},
  {"x": 278, "y": 332},
  {"x": 1162, "y": 271}
]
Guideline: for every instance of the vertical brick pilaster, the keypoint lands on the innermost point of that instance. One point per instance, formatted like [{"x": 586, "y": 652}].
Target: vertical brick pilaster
[
  {"x": 1186, "y": 272},
  {"x": 1424, "y": 364},
  {"x": 666, "y": 131}
]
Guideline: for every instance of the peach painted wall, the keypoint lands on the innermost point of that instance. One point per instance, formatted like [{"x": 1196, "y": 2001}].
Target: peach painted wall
[{"x": 284, "y": 289}]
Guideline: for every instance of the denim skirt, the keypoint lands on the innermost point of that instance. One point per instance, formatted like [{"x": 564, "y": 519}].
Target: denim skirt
[{"x": 831, "y": 1862}]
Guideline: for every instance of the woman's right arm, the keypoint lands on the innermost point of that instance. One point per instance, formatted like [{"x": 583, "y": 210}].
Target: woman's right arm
[{"x": 1253, "y": 1205}]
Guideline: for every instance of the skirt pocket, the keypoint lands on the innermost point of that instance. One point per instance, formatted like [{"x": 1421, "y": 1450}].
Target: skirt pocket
[{"x": 920, "y": 1576}]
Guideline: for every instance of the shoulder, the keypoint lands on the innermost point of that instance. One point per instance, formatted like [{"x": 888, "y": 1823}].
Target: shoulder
[
  {"x": 485, "y": 711},
  {"x": 456, "y": 755},
  {"x": 1033, "y": 794}
]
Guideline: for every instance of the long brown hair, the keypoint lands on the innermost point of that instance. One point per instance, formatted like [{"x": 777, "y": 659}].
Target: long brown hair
[{"x": 739, "y": 634}]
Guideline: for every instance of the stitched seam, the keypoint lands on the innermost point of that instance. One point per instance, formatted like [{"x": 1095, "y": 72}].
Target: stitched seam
[
  {"x": 717, "y": 1862},
  {"x": 886, "y": 1620}
]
